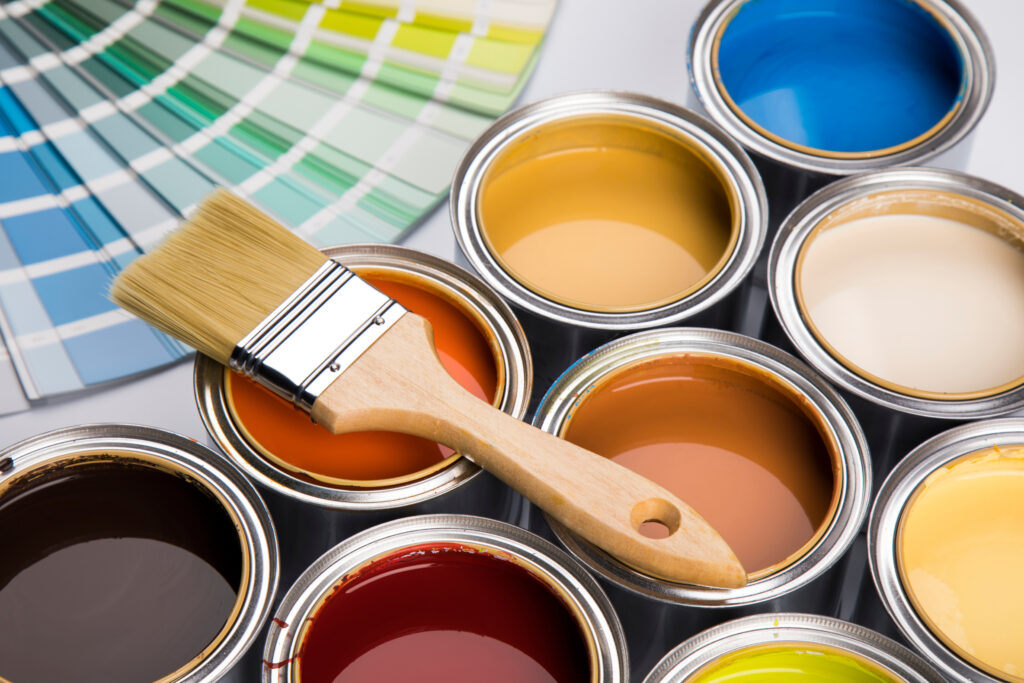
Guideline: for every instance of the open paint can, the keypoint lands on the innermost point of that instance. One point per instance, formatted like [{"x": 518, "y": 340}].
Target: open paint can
[
  {"x": 905, "y": 287},
  {"x": 445, "y": 597},
  {"x": 748, "y": 436},
  {"x": 600, "y": 213},
  {"x": 129, "y": 554},
  {"x": 770, "y": 647},
  {"x": 946, "y": 544},
  {"x": 820, "y": 89},
  {"x": 834, "y": 88},
  {"x": 322, "y": 487}
]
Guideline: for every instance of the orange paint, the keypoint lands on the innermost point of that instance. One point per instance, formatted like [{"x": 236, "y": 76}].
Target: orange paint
[{"x": 288, "y": 437}]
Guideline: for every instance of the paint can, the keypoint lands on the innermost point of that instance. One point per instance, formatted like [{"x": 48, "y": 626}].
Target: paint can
[
  {"x": 601, "y": 213},
  {"x": 820, "y": 89},
  {"x": 322, "y": 488},
  {"x": 810, "y": 646},
  {"x": 469, "y": 597},
  {"x": 130, "y": 554},
  {"x": 887, "y": 282},
  {"x": 940, "y": 526},
  {"x": 747, "y": 435}
]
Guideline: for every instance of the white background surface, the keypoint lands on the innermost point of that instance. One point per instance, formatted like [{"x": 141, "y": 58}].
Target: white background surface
[{"x": 637, "y": 45}]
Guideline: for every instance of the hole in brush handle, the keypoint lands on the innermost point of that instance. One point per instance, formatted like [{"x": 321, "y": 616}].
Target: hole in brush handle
[{"x": 655, "y": 518}]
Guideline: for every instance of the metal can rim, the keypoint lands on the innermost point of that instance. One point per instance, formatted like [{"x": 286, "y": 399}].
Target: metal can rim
[
  {"x": 217, "y": 418},
  {"x": 601, "y": 625},
  {"x": 732, "y": 161},
  {"x": 212, "y": 470},
  {"x": 799, "y": 224},
  {"x": 763, "y": 629},
  {"x": 850, "y": 441},
  {"x": 972, "y": 44},
  {"x": 884, "y": 522}
]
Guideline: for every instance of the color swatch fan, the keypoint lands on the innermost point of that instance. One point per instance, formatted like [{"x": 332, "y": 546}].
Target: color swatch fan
[{"x": 345, "y": 120}]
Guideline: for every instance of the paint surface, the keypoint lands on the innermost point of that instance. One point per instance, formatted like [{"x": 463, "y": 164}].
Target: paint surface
[
  {"x": 923, "y": 302},
  {"x": 443, "y": 613},
  {"x": 807, "y": 662},
  {"x": 735, "y": 448},
  {"x": 112, "y": 572},
  {"x": 608, "y": 227},
  {"x": 840, "y": 76},
  {"x": 961, "y": 550},
  {"x": 291, "y": 440}
]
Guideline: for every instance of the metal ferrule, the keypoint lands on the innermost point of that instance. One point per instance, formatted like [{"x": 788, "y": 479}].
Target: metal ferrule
[
  {"x": 315, "y": 335},
  {"x": 795, "y": 629}
]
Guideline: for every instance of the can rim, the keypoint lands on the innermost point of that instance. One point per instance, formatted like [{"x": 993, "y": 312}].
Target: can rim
[
  {"x": 884, "y": 522},
  {"x": 212, "y": 403},
  {"x": 800, "y": 224},
  {"x": 762, "y": 629},
  {"x": 729, "y": 158},
  {"x": 213, "y": 471},
  {"x": 835, "y": 415},
  {"x": 599, "y": 623},
  {"x": 963, "y": 28}
]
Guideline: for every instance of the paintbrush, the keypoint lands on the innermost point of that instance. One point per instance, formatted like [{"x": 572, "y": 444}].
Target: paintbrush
[{"x": 242, "y": 289}]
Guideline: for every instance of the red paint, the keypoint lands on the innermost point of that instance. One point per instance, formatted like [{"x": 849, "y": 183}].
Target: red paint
[{"x": 444, "y": 614}]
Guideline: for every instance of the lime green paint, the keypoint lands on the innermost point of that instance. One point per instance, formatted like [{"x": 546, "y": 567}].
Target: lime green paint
[{"x": 793, "y": 662}]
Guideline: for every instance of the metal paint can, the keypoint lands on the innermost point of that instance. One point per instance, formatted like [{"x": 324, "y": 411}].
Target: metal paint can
[
  {"x": 808, "y": 632},
  {"x": 314, "y": 514},
  {"x": 659, "y": 613},
  {"x": 68, "y": 457},
  {"x": 559, "y": 327},
  {"x": 793, "y": 167},
  {"x": 895, "y": 417},
  {"x": 290, "y": 640},
  {"x": 936, "y": 636}
]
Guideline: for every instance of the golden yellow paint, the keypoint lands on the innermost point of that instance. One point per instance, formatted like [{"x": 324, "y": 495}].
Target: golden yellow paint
[
  {"x": 961, "y": 554},
  {"x": 606, "y": 217}
]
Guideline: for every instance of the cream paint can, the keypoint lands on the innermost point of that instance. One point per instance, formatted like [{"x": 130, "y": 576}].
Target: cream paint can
[{"x": 905, "y": 287}]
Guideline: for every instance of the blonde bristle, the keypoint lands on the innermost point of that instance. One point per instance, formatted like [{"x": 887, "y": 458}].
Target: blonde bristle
[{"x": 213, "y": 280}]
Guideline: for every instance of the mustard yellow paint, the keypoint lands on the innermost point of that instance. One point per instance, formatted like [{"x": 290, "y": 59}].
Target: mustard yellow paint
[
  {"x": 605, "y": 217},
  {"x": 961, "y": 558}
]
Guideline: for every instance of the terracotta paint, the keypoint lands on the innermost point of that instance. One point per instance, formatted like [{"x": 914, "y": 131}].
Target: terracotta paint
[
  {"x": 291, "y": 440},
  {"x": 443, "y": 613},
  {"x": 797, "y": 662},
  {"x": 725, "y": 440},
  {"x": 922, "y": 302},
  {"x": 608, "y": 227},
  {"x": 112, "y": 572},
  {"x": 961, "y": 549}
]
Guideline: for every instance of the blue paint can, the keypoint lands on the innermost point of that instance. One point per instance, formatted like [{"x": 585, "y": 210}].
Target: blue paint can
[{"x": 839, "y": 87}]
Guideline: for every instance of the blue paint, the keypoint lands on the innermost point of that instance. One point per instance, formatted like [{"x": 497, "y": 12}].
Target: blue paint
[{"x": 840, "y": 75}]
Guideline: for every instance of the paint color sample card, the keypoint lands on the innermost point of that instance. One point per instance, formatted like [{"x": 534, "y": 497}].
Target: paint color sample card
[{"x": 344, "y": 121}]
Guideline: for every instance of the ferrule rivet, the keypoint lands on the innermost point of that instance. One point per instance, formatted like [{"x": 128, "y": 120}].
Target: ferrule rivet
[
  {"x": 334, "y": 367},
  {"x": 379, "y": 320}
]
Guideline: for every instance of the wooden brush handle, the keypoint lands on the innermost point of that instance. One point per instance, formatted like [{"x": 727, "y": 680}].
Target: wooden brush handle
[{"x": 399, "y": 384}]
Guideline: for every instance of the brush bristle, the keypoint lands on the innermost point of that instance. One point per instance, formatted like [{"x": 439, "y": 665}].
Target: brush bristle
[{"x": 213, "y": 280}]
